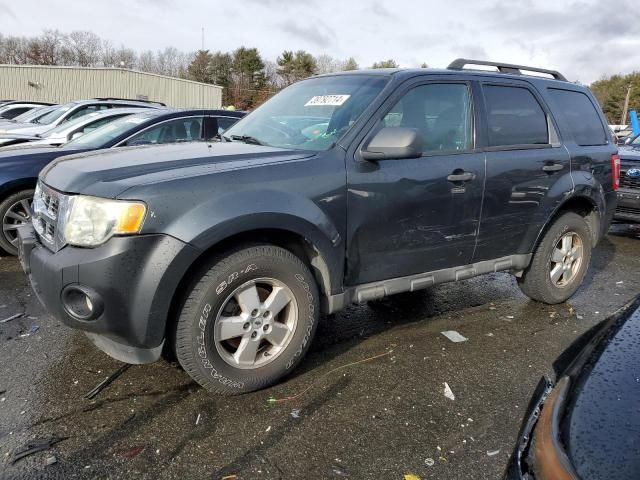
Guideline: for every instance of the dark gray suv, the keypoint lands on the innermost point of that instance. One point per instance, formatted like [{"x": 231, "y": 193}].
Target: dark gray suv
[{"x": 342, "y": 188}]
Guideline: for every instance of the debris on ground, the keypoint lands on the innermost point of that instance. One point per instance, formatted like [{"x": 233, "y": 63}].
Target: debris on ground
[
  {"x": 132, "y": 452},
  {"x": 106, "y": 382},
  {"x": 293, "y": 397},
  {"x": 454, "y": 336},
  {"x": 429, "y": 462},
  {"x": 33, "y": 329},
  {"x": 268, "y": 428},
  {"x": 411, "y": 476},
  {"x": 198, "y": 419},
  {"x": 295, "y": 413},
  {"x": 12, "y": 317},
  {"x": 491, "y": 453},
  {"x": 448, "y": 392},
  {"x": 50, "y": 460},
  {"x": 230, "y": 477},
  {"x": 34, "y": 446}
]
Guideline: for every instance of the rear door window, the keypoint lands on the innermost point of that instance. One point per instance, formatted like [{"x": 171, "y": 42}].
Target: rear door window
[
  {"x": 514, "y": 117},
  {"x": 581, "y": 116}
]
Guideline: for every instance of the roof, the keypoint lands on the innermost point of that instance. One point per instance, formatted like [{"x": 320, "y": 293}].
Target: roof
[
  {"x": 404, "y": 73},
  {"x": 116, "y": 69}
]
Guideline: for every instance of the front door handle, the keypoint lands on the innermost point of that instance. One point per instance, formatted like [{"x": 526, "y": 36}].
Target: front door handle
[
  {"x": 553, "y": 167},
  {"x": 461, "y": 177}
]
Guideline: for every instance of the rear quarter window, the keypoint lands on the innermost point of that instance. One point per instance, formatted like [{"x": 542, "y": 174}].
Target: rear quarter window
[{"x": 580, "y": 115}]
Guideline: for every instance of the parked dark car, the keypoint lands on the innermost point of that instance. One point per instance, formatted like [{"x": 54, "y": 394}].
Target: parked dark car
[
  {"x": 628, "y": 209},
  {"x": 11, "y": 110},
  {"x": 71, "y": 111},
  {"x": 20, "y": 165},
  {"x": 226, "y": 253},
  {"x": 586, "y": 423}
]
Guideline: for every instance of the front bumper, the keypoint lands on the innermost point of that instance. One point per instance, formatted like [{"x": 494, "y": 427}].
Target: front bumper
[
  {"x": 135, "y": 279},
  {"x": 628, "y": 209}
]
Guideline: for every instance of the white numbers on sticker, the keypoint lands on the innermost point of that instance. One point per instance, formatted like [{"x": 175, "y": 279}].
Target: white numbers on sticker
[{"x": 331, "y": 100}]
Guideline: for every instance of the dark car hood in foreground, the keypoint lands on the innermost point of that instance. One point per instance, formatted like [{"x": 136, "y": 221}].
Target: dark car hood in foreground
[
  {"x": 108, "y": 173},
  {"x": 601, "y": 428}
]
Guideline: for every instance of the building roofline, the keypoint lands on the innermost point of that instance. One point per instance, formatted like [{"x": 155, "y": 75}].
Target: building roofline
[{"x": 125, "y": 70}]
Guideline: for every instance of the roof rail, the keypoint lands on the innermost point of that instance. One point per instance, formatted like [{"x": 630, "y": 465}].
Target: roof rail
[
  {"x": 460, "y": 63},
  {"x": 130, "y": 100}
]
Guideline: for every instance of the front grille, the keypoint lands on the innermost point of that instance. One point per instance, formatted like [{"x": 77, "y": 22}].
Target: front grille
[
  {"x": 629, "y": 182},
  {"x": 46, "y": 207},
  {"x": 628, "y": 210}
]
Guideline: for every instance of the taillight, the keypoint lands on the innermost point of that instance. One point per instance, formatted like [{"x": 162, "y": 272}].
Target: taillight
[{"x": 615, "y": 171}]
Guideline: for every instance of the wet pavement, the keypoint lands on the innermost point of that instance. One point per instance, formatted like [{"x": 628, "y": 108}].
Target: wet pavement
[{"x": 383, "y": 418}]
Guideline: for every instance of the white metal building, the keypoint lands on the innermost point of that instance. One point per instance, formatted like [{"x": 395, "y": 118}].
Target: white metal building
[{"x": 62, "y": 84}]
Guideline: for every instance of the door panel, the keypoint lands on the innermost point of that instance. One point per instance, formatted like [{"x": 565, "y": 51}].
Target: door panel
[
  {"x": 404, "y": 215},
  {"x": 528, "y": 170}
]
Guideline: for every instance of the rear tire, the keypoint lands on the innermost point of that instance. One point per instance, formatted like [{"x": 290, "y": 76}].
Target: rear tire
[
  {"x": 560, "y": 262},
  {"x": 248, "y": 320},
  {"x": 15, "y": 210}
]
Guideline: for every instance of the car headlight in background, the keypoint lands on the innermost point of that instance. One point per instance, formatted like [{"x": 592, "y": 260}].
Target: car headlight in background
[{"x": 91, "y": 221}]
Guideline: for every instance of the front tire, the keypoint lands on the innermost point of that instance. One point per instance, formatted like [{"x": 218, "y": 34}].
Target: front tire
[
  {"x": 560, "y": 262},
  {"x": 15, "y": 210},
  {"x": 248, "y": 321}
]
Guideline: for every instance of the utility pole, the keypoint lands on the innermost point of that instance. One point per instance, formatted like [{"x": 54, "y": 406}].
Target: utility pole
[{"x": 626, "y": 106}]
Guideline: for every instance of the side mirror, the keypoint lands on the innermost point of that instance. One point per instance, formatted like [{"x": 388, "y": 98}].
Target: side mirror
[
  {"x": 627, "y": 141},
  {"x": 393, "y": 143},
  {"x": 76, "y": 135}
]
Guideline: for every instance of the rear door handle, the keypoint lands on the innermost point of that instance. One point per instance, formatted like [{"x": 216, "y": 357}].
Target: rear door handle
[
  {"x": 553, "y": 167},
  {"x": 461, "y": 177}
]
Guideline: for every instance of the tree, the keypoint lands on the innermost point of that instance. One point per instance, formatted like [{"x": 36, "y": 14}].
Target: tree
[
  {"x": 147, "y": 62},
  {"x": 200, "y": 68},
  {"x": 248, "y": 82},
  {"x": 350, "y": 64},
  {"x": 424, "y": 65},
  {"x": 385, "y": 64},
  {"x": 221, "y": 71},
  {"x": 83, "y": 48},
  {"x": 122, "y": 57},
  {"x": 296, "y": 66},
  {"x": 611, "y": 93}
]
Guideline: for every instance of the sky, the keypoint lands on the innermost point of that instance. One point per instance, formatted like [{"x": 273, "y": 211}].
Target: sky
[{"x": 585, "y": 40}]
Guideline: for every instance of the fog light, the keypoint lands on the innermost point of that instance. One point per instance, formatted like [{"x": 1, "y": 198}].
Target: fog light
[{"x": 81, "y": 302}]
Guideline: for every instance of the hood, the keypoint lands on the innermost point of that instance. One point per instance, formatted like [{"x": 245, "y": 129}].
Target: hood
[
  {"x": 23, "y": 128},
  {"x": 109, "y": 172},
  {"x": 601, "y": 417},
  {"x": 26, "y": 150},
  {"x": 629, "y": 152}
]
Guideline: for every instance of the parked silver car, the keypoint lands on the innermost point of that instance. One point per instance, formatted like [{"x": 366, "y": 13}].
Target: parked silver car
[
  {"x": 70, "y": 130},
  {"x": 71, "y": 111}
]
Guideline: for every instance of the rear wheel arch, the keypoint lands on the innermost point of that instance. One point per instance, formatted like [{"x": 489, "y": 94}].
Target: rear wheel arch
[{"x": 584, "y": 206}]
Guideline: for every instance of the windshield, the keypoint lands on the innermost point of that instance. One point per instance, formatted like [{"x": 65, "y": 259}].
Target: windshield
[
  {"x": 55, "y": 114},
  {"x": 309, "y": 115},
  {"x": 99, "y": 137},
  {"x": 61, "y": 130},
  {"x": 32, "y": 114}
]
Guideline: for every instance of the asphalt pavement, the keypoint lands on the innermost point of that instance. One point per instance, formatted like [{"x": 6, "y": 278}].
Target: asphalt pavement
[{"x": 337, "y": 416}]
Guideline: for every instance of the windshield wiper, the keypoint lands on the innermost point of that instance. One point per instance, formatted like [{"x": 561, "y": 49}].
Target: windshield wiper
[{"x": 246, "y": 139}]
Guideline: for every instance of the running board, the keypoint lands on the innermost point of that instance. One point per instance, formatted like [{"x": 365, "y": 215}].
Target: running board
[{"x": 375, "y": 290}]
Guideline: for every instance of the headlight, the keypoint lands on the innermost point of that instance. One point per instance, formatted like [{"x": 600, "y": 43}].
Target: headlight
[{"x": 91, "y": 221}]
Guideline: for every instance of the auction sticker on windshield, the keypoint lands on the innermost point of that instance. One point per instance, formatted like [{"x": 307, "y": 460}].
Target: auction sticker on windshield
[{"x": 323, "y": 100}]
